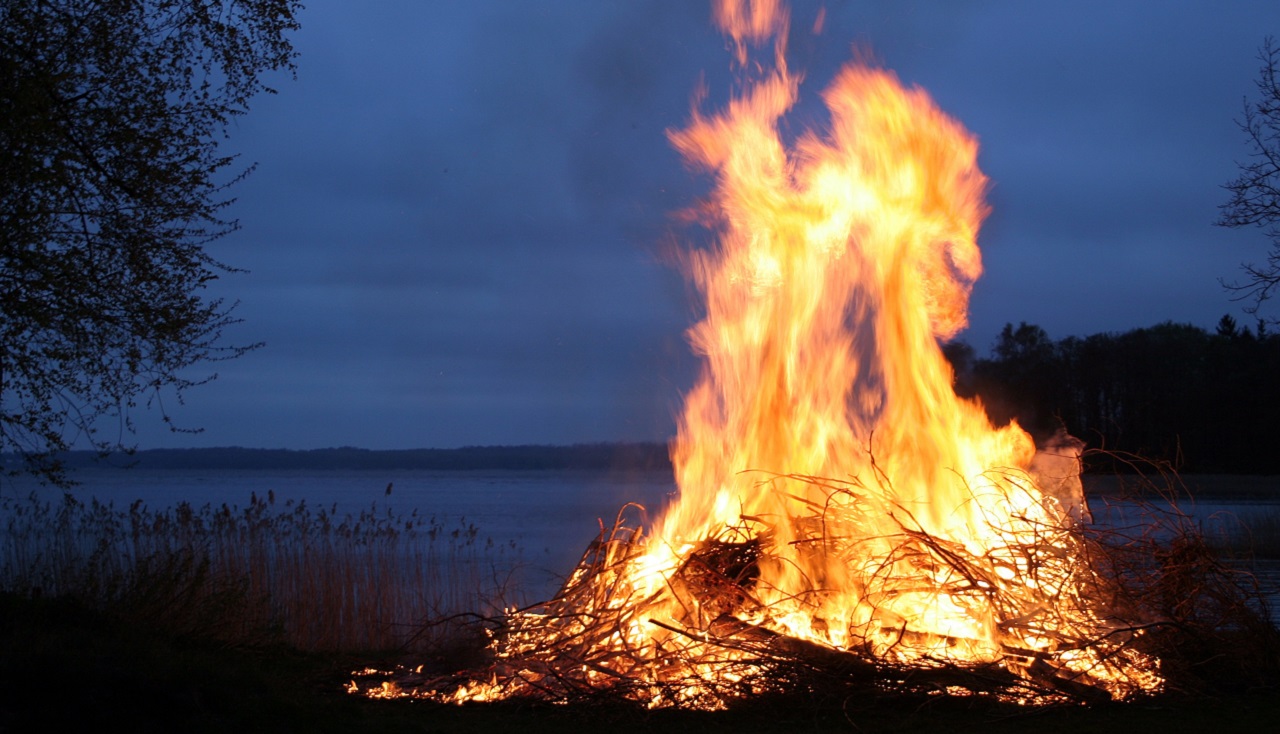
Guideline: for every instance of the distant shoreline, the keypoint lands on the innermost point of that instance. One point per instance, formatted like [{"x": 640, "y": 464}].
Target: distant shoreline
[{"x": 597, "y": 456}]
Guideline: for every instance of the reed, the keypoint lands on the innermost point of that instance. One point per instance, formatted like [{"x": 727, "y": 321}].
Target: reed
[
  {"x": 312, "y": 578},
  {"x": 1255, "y": 533}
]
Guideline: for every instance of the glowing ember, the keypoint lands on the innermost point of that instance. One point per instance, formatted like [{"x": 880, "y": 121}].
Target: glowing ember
[{"x": 927, "y": 543}]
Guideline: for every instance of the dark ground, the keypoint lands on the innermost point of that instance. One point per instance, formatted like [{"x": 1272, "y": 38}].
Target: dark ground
[{"x": 63, "y": 667}]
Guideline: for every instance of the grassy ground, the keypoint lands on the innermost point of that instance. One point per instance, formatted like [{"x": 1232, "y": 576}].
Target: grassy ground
[{"x": 66, "y": 667}]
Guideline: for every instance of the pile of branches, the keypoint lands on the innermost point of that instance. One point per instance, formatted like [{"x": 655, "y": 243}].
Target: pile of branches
[{"x": 1163, "y": 614}]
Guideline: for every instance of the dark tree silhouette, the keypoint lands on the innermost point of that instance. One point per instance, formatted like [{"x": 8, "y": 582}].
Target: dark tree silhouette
[
  {"x": 1227, "y": 327},
  {"x": 962, "y": 358},
  {"x": 1255, "y": 193},
  {"x": 112, "y": 183},
  {"x": 1022, "y": 380},
  {"x": 1205, "y": 402}
]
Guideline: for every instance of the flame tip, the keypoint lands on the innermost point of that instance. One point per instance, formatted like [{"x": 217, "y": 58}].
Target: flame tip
[{"x": 841, "y": 259}]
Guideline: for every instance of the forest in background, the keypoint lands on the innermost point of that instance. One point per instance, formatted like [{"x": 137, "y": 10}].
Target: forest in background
[{"x": 1206, "y": 402}]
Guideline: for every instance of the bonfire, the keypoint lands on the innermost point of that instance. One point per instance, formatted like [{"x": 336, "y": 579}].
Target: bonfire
[{"x": 842, "y": 515}]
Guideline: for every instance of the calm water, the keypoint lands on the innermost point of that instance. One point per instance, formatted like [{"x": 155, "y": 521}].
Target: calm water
[{"x": 551, "y": 515}]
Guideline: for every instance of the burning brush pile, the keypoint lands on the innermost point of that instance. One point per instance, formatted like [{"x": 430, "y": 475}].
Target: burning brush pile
[{"x": 843, "y": 517}]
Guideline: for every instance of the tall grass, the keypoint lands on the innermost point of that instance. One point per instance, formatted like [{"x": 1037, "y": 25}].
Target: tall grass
[
  {"x": 1255, "y": 532},
  {"x": 307, "y": 577}
]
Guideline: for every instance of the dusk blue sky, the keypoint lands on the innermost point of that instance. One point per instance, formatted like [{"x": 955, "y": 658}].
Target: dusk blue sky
[{"x": 455, "y": 232}]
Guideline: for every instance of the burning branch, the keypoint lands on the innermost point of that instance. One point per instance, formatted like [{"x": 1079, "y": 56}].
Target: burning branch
[
  {"x": 600, "y": 635},
  {"x": 948, "y": 560}
]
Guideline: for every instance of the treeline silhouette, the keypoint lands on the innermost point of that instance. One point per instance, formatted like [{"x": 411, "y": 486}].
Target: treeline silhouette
[{"x": 1204, "y": 402}]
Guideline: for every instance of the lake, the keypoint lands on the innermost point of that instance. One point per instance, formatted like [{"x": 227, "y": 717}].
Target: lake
[{"x": 552, "y": 516}]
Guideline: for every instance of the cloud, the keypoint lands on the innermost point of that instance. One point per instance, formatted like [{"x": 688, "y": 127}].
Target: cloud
[{"x": 456, "y": 229}]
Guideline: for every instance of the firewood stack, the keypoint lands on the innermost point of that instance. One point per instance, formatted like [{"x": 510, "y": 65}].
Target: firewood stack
[{"x": 599, "y": 637}]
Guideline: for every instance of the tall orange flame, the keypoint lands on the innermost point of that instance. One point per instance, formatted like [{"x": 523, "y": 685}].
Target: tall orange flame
[
  {"x": 833, "y": 488},
  {"x": 839, "y": 266}
]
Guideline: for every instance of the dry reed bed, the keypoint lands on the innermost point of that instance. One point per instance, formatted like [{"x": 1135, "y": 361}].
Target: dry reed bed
[
  {"x": 1249, "y": 530},
  {"x": 308, "y": 577}
]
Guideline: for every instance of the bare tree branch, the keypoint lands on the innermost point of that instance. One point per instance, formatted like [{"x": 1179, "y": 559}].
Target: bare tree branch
[
  {"x": 1255, "y": 193},
  {"x": 112, "y": 183}
]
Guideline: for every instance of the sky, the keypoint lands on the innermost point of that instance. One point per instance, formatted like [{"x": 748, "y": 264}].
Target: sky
[{"x": 457, "y": 230}]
